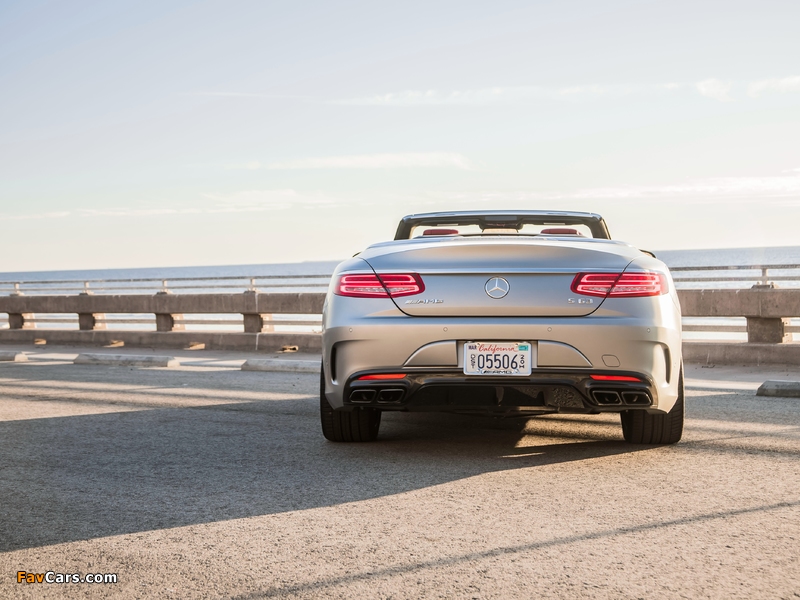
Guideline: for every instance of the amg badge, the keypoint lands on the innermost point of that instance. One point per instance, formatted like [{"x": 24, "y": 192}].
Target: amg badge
[{"x": 425, "y": 301}]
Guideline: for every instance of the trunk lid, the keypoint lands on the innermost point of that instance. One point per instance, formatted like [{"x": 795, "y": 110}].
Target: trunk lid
[{"x": 490, "y": 276}]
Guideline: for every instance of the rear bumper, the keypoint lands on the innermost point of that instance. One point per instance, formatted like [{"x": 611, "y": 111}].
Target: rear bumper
[
  {"x": 544, "y": 391},
  {"x": 386, "y": 340}
]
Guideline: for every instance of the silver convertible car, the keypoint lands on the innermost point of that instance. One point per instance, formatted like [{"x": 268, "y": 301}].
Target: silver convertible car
[{"x": 505, "y": 313}]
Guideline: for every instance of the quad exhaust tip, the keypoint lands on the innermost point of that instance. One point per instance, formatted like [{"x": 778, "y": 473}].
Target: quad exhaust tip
[
  {"x": 364, "y": 396},
  {"x": 614, "y": 398},
  {"x": 606, "y": 397},
  {"x": 391, "y": 395},
  {"x": 636, "y": 398},
  {"x": 383, "y": 396}
]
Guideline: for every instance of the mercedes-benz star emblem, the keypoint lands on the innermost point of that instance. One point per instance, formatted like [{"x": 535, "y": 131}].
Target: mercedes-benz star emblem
[{"x": 496, "y": 288}]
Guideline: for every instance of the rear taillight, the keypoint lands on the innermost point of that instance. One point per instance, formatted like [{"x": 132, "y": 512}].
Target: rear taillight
[
  {"x": 383, "y": 285},
  {"x": 620, "y": 285}
]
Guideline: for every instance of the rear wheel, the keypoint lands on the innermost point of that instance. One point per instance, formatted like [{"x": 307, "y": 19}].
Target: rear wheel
[
  {"x": 640, "y": 427},
  {"x": 359, "y": 425}
]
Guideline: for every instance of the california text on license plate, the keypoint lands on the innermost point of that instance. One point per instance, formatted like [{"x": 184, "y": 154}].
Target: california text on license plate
[{"x": 497, "y": 358}]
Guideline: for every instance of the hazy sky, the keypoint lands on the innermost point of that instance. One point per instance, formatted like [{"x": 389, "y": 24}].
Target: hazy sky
[{"x": 190, "y": 133}]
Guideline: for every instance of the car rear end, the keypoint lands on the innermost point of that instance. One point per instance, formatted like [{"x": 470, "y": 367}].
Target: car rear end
[{"x": 502, "y": 325}]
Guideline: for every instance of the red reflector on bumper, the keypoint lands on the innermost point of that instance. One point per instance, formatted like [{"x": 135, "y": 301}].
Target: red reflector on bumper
[
  {"x": 615, "y": 378},
  {"x": 378, "y": 376}
]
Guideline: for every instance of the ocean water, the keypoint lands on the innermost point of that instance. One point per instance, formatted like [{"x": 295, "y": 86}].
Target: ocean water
[
  {"x": 780, "y": 255},
  {"x": 242, "y": 271},
  {"x": 777, "y": 255}
]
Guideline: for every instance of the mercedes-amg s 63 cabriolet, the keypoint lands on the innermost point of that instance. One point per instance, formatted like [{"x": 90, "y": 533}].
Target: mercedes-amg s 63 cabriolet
[{"x": 505, "y": 313}]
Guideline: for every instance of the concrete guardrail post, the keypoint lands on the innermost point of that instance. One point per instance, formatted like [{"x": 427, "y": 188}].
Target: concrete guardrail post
[
  {"x": 767, "y": 330},
  {"x": 89, "y": 321},
  {"x": 166, "y": 322},
  {"x": 256, "y": 323},
  {"x": 21, "y": 321},
  {"x": 762, "y": 330}
]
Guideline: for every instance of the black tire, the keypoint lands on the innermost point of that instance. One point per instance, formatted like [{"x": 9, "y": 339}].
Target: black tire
[
  {"x": 359, "y": 425},
  {"x": 640, "y": 427}
]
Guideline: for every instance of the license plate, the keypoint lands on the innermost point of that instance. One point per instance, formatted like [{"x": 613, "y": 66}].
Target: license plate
[{"x": 497, "y": 358}]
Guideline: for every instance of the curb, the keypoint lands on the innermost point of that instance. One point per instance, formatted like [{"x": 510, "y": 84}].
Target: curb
[
  {"x": 780, "y": 389},
  {"x": 126, "y": 360},
  {"x": 13, "y": 357},
  {"x": 273, "y": 365}
]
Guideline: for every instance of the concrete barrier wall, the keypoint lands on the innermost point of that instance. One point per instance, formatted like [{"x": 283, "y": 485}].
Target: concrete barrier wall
[
  {"x": 767, "y": 312},
  {"x": 766, "y": 309},
  {"x": 244, "y": 342},
  {"x": 246, "y": 303},
  {"x": 762, "y": 303}
]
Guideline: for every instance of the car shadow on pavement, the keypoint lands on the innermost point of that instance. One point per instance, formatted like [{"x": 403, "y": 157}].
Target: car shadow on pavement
[{"x": 81, "y": 477}]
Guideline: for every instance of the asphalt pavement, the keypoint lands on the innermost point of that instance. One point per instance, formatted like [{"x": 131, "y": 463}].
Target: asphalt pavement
[{"x": 205, "y": 481}]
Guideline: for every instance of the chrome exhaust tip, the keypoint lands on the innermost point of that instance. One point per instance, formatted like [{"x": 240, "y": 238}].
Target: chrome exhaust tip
[
  {"x": 362, "y": 396},
  {"x": 606, "y": 397},
  {"x": 391, "y": 395},
  {"x": 636, "y": 398}
]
